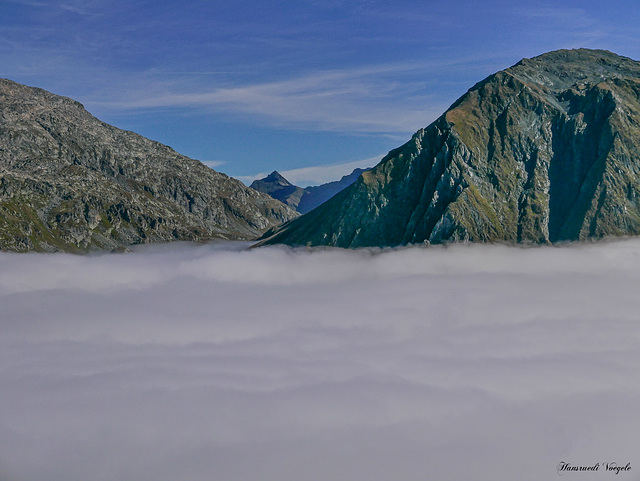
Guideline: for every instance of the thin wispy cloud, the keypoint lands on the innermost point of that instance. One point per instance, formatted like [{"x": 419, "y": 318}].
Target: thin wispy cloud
[
  {"x": 213, "y": 362},
  {"x": 574, "y": 17},
  {"x": 371, "y": 99},
  {"x": 29, "y": 3}
]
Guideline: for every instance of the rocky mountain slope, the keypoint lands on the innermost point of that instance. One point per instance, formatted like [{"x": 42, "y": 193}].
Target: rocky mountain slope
[
  {"x": 303, "y": 199},
  {"x": 545, "y": 151},
  {"x": 71, "y": 182}
]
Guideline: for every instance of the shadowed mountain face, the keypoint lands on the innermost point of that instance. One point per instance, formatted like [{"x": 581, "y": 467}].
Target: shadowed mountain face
[
  {"x": 307, "y": 199},
  {"x": 70, "y": 182},
  {"x": 319, "y": 194},
  {"x": 279, "y": 188},
  {"x": 545, "y": 151}
]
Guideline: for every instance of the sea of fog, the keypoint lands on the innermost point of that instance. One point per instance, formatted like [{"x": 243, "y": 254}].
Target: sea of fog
[{"x": 217, "y": 363}]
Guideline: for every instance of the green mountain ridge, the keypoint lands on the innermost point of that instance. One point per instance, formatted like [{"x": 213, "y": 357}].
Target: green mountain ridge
[{"x": 544, "y": 151}]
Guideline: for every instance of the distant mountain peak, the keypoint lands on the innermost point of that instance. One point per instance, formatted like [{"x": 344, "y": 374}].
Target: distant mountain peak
[
  {"x": 303, "y": 199},
  {"x": 279, "y": 188},
  {"x": 276, "y": 177}
]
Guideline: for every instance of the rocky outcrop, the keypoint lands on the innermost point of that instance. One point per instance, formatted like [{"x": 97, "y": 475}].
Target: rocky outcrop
[
  {"x": 71, "y": 182},
  {"x": 545, "y": 151}
]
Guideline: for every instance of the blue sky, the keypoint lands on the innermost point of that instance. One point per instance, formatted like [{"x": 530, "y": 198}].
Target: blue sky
[{"x": 310, "y": 88}]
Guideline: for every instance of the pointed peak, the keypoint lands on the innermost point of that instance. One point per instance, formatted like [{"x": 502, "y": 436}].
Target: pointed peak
[{"x": 275, "y": 176}]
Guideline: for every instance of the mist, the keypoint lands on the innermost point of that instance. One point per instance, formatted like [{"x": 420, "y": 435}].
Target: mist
[{"x": 214, "y": 362}]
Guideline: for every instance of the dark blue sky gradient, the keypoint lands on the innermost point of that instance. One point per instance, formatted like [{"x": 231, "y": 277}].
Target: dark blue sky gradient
[{"x": 282, "y": 85}]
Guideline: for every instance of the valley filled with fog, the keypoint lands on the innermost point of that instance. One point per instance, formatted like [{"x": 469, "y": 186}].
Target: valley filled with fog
[{"x": 214, "y": 362}]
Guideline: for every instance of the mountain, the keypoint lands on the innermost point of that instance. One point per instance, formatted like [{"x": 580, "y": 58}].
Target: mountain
[
  {"x": 318, "y": 194},
  {"x": 279, "y": 188},
  {"x": 545, "y": 151},
  {"x": 303, "y": 199},
  {"x": 73, "y": 183}
]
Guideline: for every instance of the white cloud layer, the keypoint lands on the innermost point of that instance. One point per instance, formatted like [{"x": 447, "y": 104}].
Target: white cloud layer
[{"x": 213, "y": 362}]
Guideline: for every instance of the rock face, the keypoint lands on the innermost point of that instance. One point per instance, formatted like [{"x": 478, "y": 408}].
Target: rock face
[
  {"x": 545, "y": 151},
  {"x": 71, "y": 182},
  {"x": 307, "y": 199}
]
